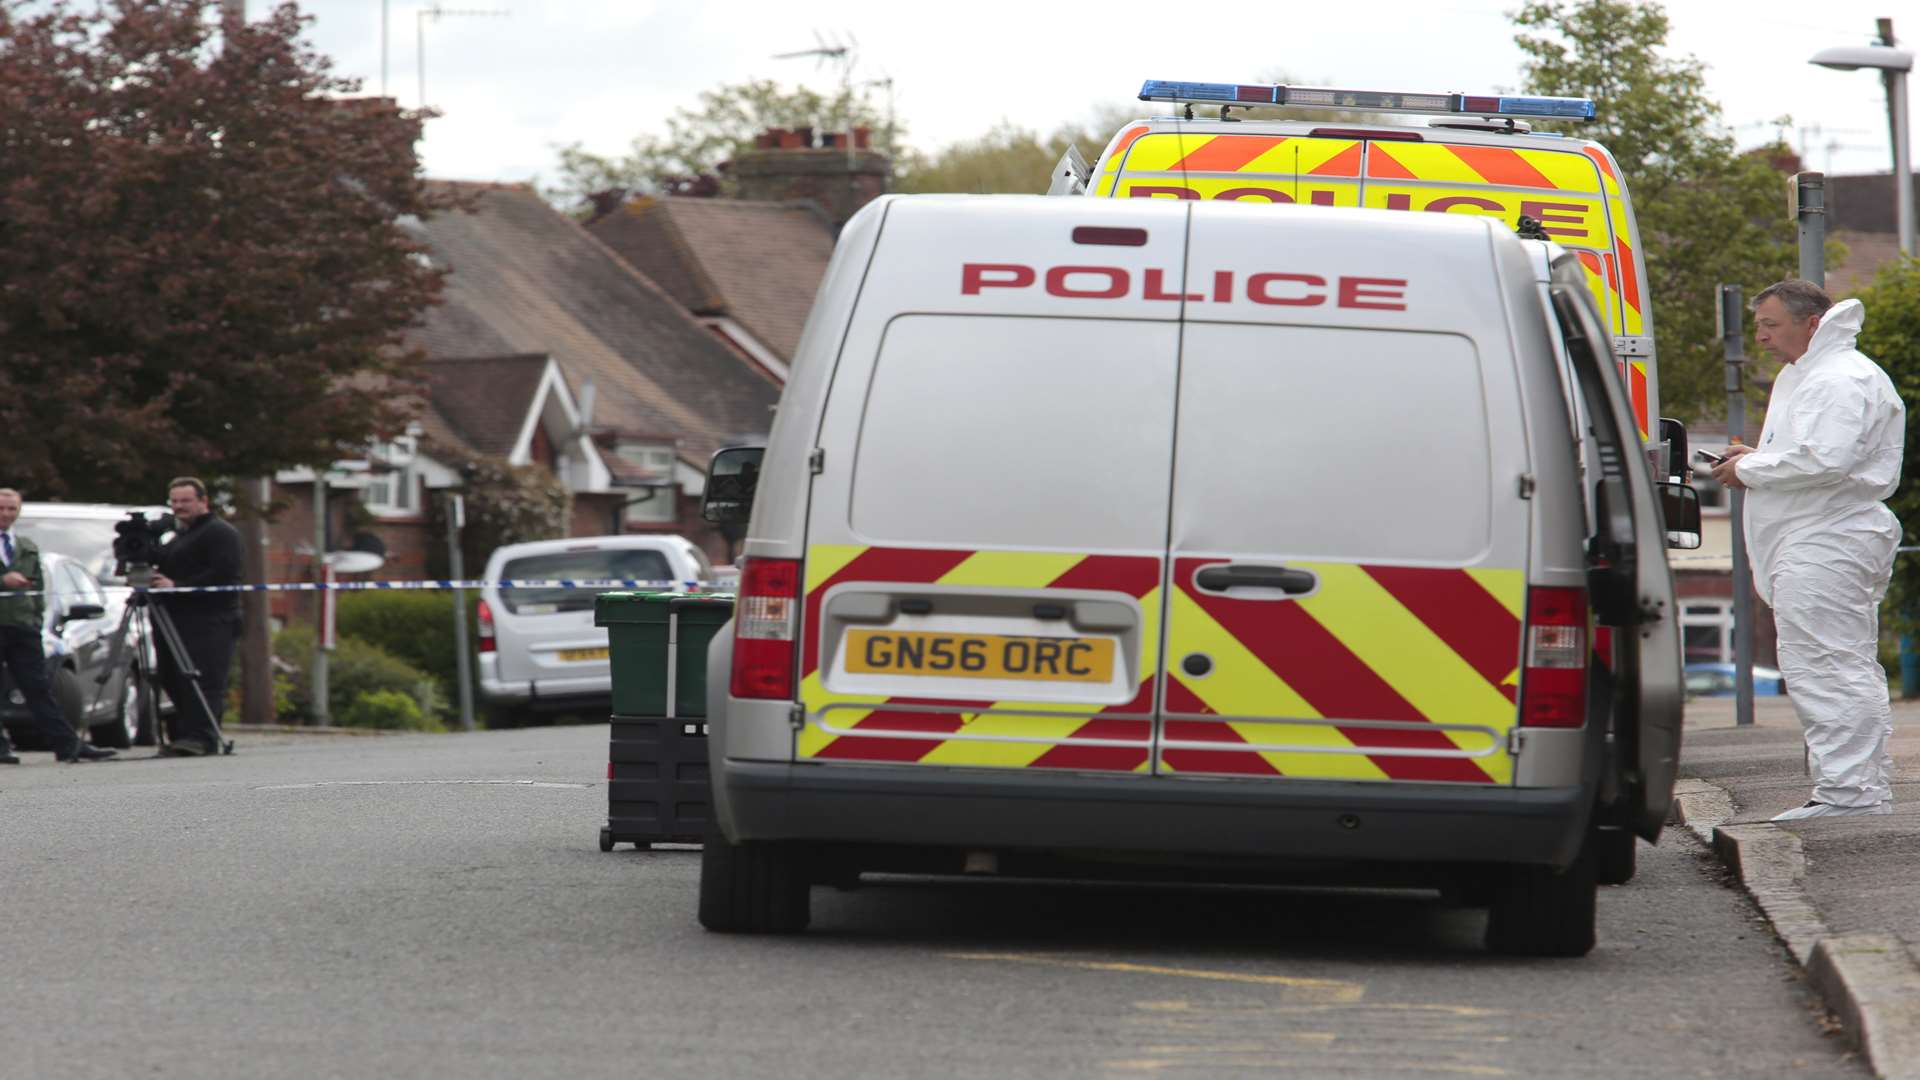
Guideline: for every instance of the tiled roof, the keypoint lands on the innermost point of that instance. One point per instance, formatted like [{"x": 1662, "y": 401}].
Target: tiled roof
[
  {"x": 484, "y": 400},
  {"x": 1867, "y": 252},
  {"x": 526, "y": 279},
  {"x": 758, "y": 263}
]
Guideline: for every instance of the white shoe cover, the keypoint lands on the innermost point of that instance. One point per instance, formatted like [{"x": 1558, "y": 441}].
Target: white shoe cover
[{"x": 1820, "y": 809}]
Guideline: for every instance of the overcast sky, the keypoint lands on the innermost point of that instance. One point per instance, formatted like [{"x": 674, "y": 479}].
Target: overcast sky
[{"x": 545, "y": 73}]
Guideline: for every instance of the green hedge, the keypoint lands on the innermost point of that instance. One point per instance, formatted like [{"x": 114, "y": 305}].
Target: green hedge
[
  {"x": 415, "y": 626},
  {"x": 355, "y": 670}
]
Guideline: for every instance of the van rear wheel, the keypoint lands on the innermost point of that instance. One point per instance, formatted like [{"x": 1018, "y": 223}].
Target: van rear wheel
[
  {"x": 753, "y": 888},
  {"x": 1543, "y": 911}
]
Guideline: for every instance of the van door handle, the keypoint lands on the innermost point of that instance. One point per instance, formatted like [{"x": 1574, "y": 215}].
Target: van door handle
[{"x": 1235, "y": 576}]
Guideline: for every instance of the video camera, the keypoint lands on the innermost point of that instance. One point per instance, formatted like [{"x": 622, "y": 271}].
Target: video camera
[{"x": 137, "y": 540}]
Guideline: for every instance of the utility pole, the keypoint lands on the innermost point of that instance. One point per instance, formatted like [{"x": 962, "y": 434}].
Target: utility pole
[
  {"x": 1733, "y": 334},
  {"x": 457, "y": 569},
  {"x": 318, "y": 708},
  {"x": 1807, "y": 204},
  {"x": 256, "y": 647}
]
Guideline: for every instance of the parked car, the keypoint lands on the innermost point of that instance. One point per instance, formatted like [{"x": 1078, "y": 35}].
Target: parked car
[
  {"x": 1708, "y": 679},
  {"x": 83, "y": 532},
  {"x": 539, "y": 649},
  {"x": 99, "y": 700}
]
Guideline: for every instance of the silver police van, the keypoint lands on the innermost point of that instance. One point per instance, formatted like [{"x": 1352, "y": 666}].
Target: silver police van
[{"x": 1238, "y": 543}]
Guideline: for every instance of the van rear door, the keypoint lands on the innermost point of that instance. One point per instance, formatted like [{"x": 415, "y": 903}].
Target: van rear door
[
  {"x": 1348, "y": 536},
  {"x": 986, "y": 530}
]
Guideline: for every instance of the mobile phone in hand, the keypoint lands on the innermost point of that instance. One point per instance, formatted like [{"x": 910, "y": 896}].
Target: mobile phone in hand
[{"x": 1710, "y": 456}]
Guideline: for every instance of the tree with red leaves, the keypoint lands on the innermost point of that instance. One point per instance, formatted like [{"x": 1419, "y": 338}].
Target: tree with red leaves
[{"x": 205, "y": 263}]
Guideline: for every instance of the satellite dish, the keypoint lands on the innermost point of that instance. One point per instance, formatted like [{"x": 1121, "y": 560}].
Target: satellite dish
[{"x": 366, "y": 555}]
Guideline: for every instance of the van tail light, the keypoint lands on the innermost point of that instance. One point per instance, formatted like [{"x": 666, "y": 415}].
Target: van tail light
[
  {"x": 766, "y": 622},
  {"x": 1553, "y": 688},
  {"x": 483, "y": 616}
]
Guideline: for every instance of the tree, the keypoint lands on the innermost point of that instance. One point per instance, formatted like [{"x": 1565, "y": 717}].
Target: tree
[
  {"x": 202, "y": 267},
  {"x": 1010, "y": 158},
  {"x": 687, "y": 159},
  {"x": 1708, "y": 214},
  {"x": 1891, "y": 336}
]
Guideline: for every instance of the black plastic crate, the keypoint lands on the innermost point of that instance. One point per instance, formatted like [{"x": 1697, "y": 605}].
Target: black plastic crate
[{"x": 657, "y": 790}]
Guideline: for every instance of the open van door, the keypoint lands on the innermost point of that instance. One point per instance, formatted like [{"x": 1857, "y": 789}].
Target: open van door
[{"x": 1630, "y": 583}]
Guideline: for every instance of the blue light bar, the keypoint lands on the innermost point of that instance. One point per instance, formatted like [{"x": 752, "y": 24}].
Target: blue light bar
[
  {"x": 1366, "y": 100},
  {"x": 1560, "y": 108},
  {"x": 1231, "y": 93}
]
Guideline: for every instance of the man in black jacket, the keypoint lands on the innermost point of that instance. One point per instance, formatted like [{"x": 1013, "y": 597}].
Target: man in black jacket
[{"x": 205, "y": 550}]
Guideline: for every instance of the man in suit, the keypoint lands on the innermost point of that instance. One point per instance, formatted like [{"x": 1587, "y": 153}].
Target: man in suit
[{"x": 21, "y": 617}]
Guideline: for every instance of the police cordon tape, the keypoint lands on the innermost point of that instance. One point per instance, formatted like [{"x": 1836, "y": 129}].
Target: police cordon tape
[
  {"x": 383, "y": 586},
  {"x": 530, "y": 583}
]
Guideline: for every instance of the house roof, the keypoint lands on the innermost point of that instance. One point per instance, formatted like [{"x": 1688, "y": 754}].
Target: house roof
[
  {"x": 526, "y": 279},
  {"x": 758, "y": 263},
  {"x": 1867, "y": 252},
  {"x": 484, "y": 400}
]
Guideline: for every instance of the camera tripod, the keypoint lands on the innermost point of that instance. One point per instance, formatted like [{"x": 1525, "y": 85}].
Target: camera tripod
[{"x": 151, "y": 617}]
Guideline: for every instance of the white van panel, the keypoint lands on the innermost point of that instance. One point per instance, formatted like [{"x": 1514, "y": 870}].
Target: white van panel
[
  {"x": 1332, "y": 444},
  {"x": 1037, "y": 433}
]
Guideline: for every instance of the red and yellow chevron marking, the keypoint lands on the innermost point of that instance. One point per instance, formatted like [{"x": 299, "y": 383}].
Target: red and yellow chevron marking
[
  {"x": 1030, "y": 735},
  {"x": 1602, "y": 282},
  {"x": 1268, "y": 155},
  {"x": 1410, "y": 647}
]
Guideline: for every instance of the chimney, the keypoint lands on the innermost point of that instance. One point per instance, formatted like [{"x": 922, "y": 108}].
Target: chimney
[{"x": 839, "y": 179}]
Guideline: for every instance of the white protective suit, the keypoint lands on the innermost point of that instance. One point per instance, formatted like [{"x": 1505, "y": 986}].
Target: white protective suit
[{"x": 1822, "y": 543}]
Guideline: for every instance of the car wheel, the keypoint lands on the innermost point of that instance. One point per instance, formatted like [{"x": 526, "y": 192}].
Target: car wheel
[
  {"x": 1614, "y": 854},
  {"x": 753, "y": 888},
  {"x": 120, "y": 731},
  {"x": 1543, "y": 911}
]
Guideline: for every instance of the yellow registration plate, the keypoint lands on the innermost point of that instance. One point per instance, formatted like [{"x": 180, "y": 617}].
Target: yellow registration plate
[
  {"x": 583, "y": 654},
  {"x": 980, "y": 656}
]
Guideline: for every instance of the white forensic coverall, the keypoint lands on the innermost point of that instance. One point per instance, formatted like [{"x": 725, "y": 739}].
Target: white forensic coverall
[{"x": 1822, "y": 543}]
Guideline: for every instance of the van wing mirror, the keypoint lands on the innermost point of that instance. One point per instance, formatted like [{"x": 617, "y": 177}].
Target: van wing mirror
[
  {"x": 1680, "y": 507},
  {"x": 1674, "y": 434},
  {"x": 732, "y": 478}
]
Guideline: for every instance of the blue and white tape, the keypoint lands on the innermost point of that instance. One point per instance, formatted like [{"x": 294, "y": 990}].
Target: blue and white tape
[{"x": 599, "y": 584}]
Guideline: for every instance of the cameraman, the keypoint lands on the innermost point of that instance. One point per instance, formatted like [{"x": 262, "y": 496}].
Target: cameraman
[{"x": 205, "y": 550}]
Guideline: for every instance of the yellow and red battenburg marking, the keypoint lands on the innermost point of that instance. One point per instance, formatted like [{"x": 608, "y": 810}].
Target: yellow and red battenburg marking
[
  {"x": 894, "y": 724},
  {"x": 1316, "y": 660},
  {"x": 1286, "y": 661}
]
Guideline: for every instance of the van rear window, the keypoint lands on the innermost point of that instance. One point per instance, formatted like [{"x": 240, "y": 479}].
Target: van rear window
[
  {"x": 629, "y": 564},
  {"x": 990, "y": 431},
  {"x": 1337, "y": 444}
]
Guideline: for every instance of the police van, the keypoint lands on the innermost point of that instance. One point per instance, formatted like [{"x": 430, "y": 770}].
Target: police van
[
  {"x": 1241, "y": 542},
  {"x": 1458, "y": 154}
]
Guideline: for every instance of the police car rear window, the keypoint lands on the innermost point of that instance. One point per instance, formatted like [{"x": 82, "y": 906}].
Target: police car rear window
[
  {"x": 1018, "y": 432},
  {"x": 628, "y": 564}
]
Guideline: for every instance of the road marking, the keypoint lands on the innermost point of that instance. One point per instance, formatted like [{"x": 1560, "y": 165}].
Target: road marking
[
  {"x": 394, "y": 783},
  {"x": 1330, "y": 990}
]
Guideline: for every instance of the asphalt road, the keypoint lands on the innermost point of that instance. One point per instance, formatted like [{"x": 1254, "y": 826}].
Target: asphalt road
[{"x": 438, "y": 906}]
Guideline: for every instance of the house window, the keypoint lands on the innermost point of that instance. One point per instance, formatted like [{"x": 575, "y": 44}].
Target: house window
[
  {"x": 652, "y": 506},
  {"x": 393, "y": 484},
  {"x": 1706, "y": 631}
]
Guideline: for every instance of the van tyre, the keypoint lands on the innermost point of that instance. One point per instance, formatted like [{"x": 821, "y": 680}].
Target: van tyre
[
  {"x": 1543, "y": 911},
  {"x": 753, "y": 888},
  {"x": 1614, "y": 855}
]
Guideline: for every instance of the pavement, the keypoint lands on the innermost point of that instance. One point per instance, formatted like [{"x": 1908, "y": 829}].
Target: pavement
[{"x": 1843, "y": 894}]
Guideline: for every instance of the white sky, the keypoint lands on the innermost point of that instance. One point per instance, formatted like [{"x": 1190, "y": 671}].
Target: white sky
[{"x": 552, "y": 72}]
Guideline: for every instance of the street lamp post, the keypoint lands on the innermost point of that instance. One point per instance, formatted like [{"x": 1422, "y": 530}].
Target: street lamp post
[{"x": 1893, "y": 64}]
